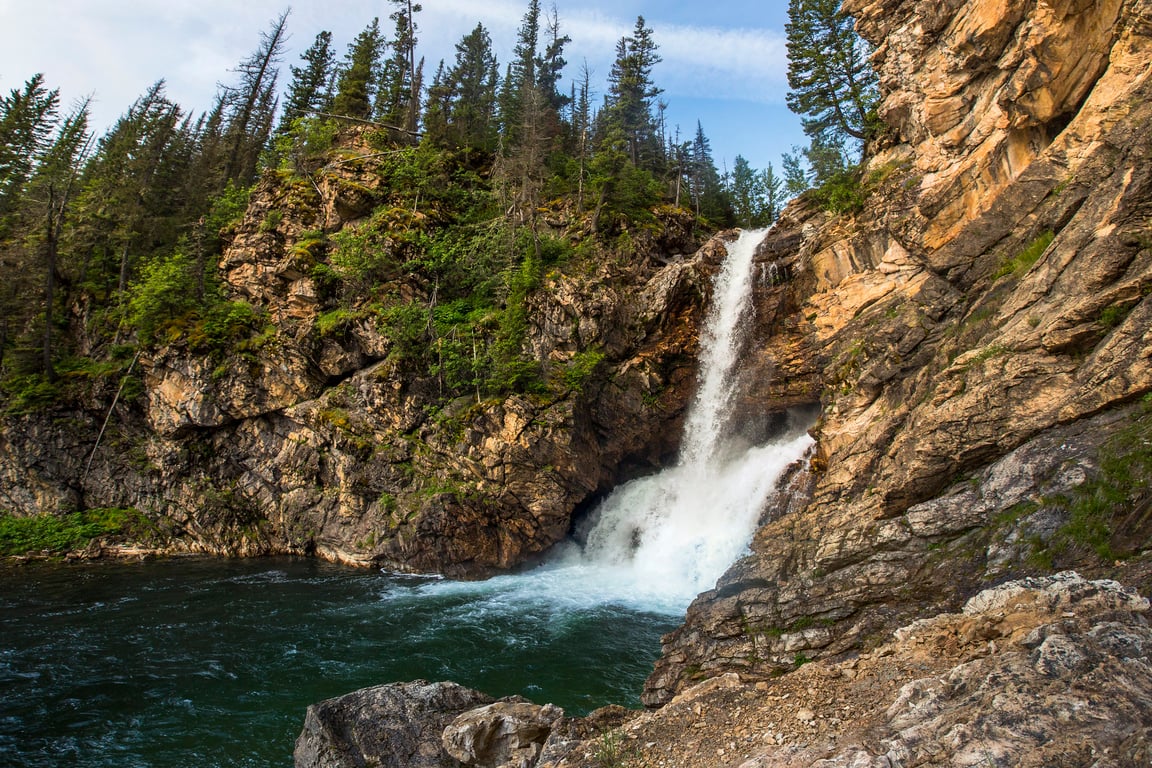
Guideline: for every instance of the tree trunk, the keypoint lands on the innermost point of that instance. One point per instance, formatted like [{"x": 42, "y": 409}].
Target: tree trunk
[{"x": 52, "y": 233}]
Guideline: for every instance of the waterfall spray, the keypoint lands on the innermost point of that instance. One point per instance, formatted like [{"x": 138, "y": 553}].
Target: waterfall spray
[
  {"x": 677, "y": 531},
  {"x": 657, "y": 542}
]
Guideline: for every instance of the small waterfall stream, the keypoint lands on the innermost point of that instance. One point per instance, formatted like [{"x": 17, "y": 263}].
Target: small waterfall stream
[{"x": 678, "y": 531}]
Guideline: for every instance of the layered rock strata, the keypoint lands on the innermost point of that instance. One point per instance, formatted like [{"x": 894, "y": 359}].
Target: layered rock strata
[{"x": 977, "y": 333}]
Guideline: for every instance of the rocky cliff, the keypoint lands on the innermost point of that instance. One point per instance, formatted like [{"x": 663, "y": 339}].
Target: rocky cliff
[
  {"x": 313, "y": 437},
  {"x": 977, "y": 334}
]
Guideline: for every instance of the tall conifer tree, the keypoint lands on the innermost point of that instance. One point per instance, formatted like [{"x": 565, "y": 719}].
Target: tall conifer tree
[
  {"x": 398, "y": 99},
  {"x": 833, "y": 86},
  {"x": 360, "y": 75},
  {"x": 252, "y": 104},
  {"x": 632, "y": 93},
  {"x": 308, "y": 91}
]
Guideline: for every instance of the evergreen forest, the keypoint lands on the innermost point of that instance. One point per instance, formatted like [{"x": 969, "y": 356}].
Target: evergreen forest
[{"x": 490, "y": 174}]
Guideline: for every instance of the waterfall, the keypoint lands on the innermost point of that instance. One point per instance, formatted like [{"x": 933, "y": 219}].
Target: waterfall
[
  {"x": 657, "y": 542},
  {"x": 676, "y": 532}
]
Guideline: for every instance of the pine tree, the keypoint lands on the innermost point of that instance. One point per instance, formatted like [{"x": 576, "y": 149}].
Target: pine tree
[
  {"x": 772, "y": 189},
  {"x": 582, "y": 121},
  {"x": 632, "y": 92},
  {"x": 745, "y": 192},
  {"x": 50, "y": 191},
  {"x": 795, "y": 177},
  {"x": 360, "y": 75},
  {"x": 466, "y": 95},
  {"x": 308, "y": 91},
  {"x": 27, "y": 118},
  {"x": 252, "y": 104},
  {"x": 550, "y": 66},
  {"x": 520, "y": 79},
  {"x": 436, "y": 106},
  {"x": 127, "y": 204},
  {"x": 398, "y": 100},
  {"x": 833, "y": 87},
  {"x": 707, "y": 190},
  {"x": 755, "y": 195}
]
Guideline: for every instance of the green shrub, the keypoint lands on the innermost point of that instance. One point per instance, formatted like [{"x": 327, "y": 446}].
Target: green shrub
[
  {"x": 336, "y": 321},
  {"x": 843, "y": 192},
  {"x": 1023, "y": 261},
  {"x": 30, "y": 393},
  {"x": 581, "y": 368},
  {"x": 406, "y": 326},
  {"x": 164, "y": 292},
  {"x": 305, "y": 143},
  {"x": 1114, "y": 315},
  {"x": 223, "y": 325},
  {"x": 59, "y": 534},
  {"x": 227, "y": 209},
  {"x": 272, "y": 220},
  {"x": 1117, "y": 496}
]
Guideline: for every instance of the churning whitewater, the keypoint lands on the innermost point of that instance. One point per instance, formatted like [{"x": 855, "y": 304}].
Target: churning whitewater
[{"x": 657, "y": 542}]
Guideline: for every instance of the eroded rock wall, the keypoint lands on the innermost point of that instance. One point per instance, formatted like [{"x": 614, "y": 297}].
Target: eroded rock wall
[
  {"x": 317, "y": 440},
  {"x": 978, "y": 333}
]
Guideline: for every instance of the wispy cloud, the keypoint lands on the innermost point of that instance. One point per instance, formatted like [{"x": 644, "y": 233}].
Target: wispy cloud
[{"x": 115, "y": 50}]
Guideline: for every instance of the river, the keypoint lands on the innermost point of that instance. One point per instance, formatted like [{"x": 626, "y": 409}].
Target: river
[{"x": 198, "y": 662}]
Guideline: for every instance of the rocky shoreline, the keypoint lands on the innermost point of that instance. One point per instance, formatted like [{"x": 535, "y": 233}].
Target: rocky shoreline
[{"x": 1037, "y": 672}]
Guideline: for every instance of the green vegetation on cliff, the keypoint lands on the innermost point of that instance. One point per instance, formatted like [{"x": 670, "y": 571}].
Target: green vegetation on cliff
[
  {"x": 475, "y": 185},
  {"x": 60, "y": 534}
]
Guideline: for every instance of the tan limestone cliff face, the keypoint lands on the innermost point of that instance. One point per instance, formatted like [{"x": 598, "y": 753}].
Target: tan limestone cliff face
[
  {"x": 980, "y": 89},
  {"x": 957, "y": 332}
]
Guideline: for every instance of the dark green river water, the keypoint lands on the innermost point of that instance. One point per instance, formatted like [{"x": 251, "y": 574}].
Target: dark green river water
[{"x": 213, "y": 662}]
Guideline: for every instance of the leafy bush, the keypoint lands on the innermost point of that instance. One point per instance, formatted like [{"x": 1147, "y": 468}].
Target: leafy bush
[
  {"x": 227, "y": 209},
  {"x": 581, "y": 368},
  {"x": 306, "y": 142},
  {"x": 222, "y": 325},
  {"x": 843, "y": 192},
  {"x": 29, "y": 393},
  {"x": 1121, "y": 491},
  {"x": 59, "y": 534},
  {"x": 407, "y": 328},
  {"x": 163, "y": 293},
  {"x": 335, "y": 321}
]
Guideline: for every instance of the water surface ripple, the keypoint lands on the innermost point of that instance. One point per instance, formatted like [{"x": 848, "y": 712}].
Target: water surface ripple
[{"x": 213, "y": 662}]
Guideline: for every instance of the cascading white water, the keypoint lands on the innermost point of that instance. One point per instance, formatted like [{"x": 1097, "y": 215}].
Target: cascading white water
[
  {"x": 657, "y": 542},
  {"x": 678, "y": 531}
]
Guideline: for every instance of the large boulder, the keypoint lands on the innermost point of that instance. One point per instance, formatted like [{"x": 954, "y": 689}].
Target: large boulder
[
  {"x": 389, "y": 726},
  {"x": 507, "y": 734}
]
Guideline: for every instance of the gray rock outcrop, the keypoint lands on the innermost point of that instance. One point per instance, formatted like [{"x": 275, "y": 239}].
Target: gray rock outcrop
[
  {"x": 506, "y": 734},
  {"x": 390, "y": 726}
]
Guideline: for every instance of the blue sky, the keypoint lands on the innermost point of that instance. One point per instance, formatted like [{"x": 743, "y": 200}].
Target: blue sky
[{"x": 723, "y": 61}]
